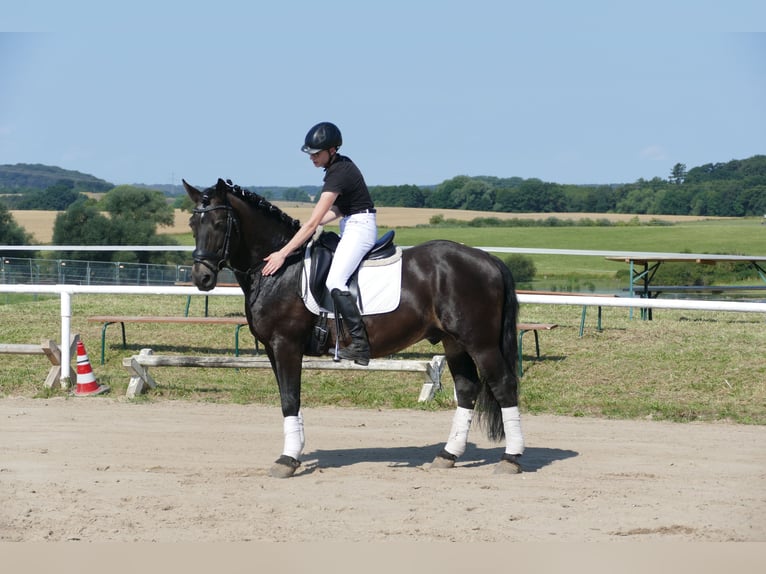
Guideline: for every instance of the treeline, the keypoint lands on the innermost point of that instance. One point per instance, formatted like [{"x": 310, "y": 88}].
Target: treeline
[
  {"x": 54, "y": 198},
  {"x": 736, "y": 188}
]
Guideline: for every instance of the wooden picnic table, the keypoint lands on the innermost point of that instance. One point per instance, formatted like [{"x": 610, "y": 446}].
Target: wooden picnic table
[{"x": 643, "y": 267}]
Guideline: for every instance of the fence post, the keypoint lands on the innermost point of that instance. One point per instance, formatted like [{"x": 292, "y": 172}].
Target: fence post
[{"x": 66, "y": 319}]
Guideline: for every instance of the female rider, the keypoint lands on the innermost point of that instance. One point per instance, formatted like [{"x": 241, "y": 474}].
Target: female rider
[{"x": 344, "y": 195}]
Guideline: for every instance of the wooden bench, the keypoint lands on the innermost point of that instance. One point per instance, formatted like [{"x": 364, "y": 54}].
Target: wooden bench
[
  {"x": 584, "y": 307},
  {"x": 50, "y": 349},
  {"x": 522, "y": 328},
  {"x": 122, "y": 319},
  {"x": 140, "y": 379}
]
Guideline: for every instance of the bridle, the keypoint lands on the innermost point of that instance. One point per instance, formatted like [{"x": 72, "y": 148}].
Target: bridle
[{"x": 222, "y": 255}]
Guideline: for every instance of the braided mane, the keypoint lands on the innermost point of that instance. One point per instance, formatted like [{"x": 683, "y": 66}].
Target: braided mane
[{"x": 262, "y": 204}]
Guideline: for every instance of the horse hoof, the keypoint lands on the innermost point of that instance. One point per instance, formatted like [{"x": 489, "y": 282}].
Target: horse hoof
[
  {"x": 440, "y": 463},
  {"x": 444, "y": 460},
  {"x": 284, "y": 467},
  {"x": 508, "y": 465}
]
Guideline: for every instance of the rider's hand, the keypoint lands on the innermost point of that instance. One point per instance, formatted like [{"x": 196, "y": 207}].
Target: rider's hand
[{"x": 273, "y": 263}]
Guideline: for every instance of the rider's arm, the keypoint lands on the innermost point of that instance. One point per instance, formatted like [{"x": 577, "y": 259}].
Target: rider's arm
[{"x": 324, "y": 212}]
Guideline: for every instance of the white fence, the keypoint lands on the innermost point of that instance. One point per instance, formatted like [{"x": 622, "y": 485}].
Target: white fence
[{"x": 67, "y": 291}]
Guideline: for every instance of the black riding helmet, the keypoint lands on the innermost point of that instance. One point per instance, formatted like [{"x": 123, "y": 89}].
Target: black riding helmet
[{"x": 324, "y": 135}]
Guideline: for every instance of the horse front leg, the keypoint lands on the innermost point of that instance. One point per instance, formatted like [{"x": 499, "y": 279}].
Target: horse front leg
[{"x": 287, "y": 368}]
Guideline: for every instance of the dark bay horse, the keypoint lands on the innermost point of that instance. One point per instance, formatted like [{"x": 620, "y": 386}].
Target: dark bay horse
[{"x": 450, "y": 293}]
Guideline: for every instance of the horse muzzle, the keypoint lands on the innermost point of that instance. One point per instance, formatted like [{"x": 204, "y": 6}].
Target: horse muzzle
[{"x": 204, "y": 275}]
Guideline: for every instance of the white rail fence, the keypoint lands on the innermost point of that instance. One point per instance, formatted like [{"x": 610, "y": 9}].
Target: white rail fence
[{"x": 66, "y": 292}]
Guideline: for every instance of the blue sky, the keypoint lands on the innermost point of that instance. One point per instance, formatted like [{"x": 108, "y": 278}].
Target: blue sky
[{"x": 569, "y": 92}]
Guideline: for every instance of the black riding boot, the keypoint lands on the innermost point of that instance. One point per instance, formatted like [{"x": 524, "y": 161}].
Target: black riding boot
[{"x": 359, "y": 349}]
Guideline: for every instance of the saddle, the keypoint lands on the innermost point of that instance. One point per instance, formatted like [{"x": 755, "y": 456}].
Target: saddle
[
  {"x": 317, "y": 261},
  {"x": 322, "y": 252}
]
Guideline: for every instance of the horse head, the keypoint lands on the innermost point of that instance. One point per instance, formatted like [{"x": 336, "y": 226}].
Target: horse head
[{"x": 215, "y": 230}]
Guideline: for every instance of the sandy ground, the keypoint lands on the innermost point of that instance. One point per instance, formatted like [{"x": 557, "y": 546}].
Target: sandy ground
[{"x": 102, "y": 469}]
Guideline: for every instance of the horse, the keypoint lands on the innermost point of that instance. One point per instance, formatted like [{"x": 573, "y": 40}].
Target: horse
[{"x": 456, "y": 295}]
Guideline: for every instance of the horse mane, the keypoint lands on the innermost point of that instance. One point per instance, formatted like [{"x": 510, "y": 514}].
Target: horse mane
[{"x": 262, "y": 204}]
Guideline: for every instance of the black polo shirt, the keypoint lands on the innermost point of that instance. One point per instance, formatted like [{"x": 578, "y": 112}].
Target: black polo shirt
[{"x": 343, "y": 177}]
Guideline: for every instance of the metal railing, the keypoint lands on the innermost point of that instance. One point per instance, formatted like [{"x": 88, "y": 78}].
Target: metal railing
[{"x": 17, "y": 270}]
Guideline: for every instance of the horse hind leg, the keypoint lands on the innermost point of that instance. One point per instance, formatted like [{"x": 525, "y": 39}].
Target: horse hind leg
[
  {"x": 514, "y": 442},
  {"x": 466, "y": 381},
  {"x": 502, "y": 407}
]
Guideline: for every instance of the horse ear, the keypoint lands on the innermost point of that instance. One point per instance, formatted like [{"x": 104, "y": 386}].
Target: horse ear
[{"x": 193, "y": 192}]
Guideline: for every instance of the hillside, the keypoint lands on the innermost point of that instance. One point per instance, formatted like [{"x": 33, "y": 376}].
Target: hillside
[{"x": 26, "y": 176}]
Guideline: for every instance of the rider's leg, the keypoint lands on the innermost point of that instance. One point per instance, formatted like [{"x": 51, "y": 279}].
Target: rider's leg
[
  {"x": 359, "y": 349},
  {"x": 357, "y": 238}
]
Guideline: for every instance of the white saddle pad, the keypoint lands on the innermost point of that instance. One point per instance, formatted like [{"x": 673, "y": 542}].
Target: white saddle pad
[{"x": 380, "y": 285}]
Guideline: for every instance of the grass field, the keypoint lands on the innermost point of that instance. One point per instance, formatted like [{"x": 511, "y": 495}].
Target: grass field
[
  {"x": 570, "y": 273},
  {"x": 744, "y": 236},
  {"x": 682, "y": 366}
]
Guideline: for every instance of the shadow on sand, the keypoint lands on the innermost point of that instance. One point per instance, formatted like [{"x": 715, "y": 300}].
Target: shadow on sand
[{"x": 534, "y": 458}]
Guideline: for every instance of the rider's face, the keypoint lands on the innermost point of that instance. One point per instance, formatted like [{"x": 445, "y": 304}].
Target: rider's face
[{"x": 321, "y": 158}]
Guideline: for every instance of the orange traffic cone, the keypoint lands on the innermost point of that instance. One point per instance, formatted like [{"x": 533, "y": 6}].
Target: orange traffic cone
[{"x": 87, "y": 384}]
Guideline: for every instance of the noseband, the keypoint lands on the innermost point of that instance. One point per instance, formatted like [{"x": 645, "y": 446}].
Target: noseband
[{"x": 222, "y": 255}]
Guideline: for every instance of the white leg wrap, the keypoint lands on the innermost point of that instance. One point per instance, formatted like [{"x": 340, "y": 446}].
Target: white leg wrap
[
  {"x": 514, "y": 439},
  {"x": 458, "y": 435},
  {"x": 294, "y": 438}
]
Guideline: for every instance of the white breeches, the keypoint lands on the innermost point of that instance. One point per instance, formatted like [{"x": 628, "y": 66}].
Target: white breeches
[{"x": 358, "y": 234}]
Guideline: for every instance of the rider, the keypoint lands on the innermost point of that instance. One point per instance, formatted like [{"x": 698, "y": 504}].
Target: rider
[{"x": 344, "y": 195}]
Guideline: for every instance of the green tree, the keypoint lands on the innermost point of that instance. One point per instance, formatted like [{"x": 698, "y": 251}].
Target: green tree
[
  {"x": 754, "y": 200},
  {"x": 184, "y": 203},
  {"x": 507, "y": 199},
  {"x": 674, "y": 201},
  {"x": 134, "y": 214},
  {"x": 538, "y": 196},
  {"x": 137, "y": 205},
  {"x": 476, "y": 196},
  {"x": 447, "y": 193},
  {"x": 522, "y": 267},
  {"x": 678, "y": 174},
  {"x": 11, "y": 233},
  {"x": 398, "y": 195},
  {"x": 296, "y": 194},
  {"x": 83, "y": 224},
  {"x": 54, "y": 198}
]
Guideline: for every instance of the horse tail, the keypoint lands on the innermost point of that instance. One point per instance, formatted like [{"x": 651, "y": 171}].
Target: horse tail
[
  {"x": 508, "y": 342},
  {"x": 488, "y": 408}
]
